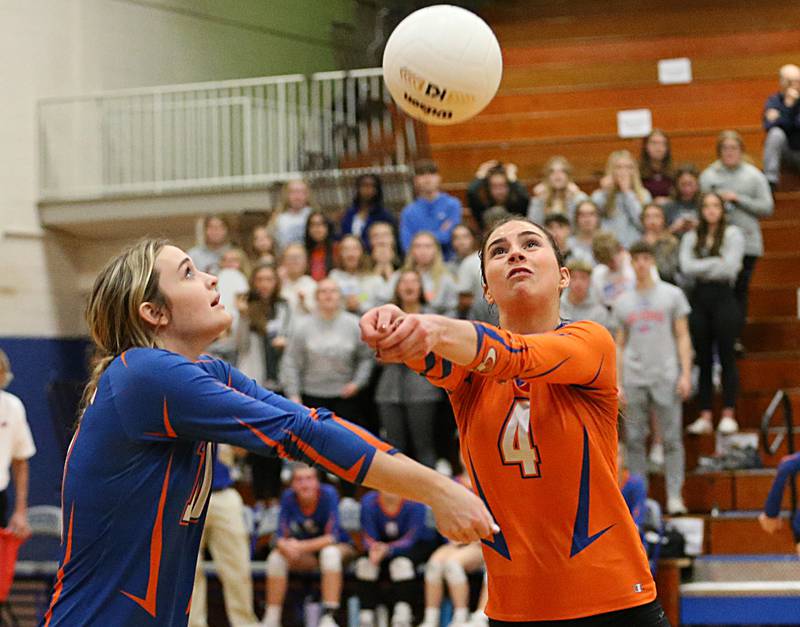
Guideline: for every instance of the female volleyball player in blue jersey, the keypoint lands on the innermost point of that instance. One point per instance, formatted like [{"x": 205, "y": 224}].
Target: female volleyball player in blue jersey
[{"x": 138, "y": 471}]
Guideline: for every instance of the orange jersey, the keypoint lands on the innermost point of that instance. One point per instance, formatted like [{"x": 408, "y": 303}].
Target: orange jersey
[{"x": 537, "y": 417}]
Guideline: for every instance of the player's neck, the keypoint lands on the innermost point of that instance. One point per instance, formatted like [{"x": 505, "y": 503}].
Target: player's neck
[
  {"x": 527, "y": 321},
  {"x": 189, "y": 349}
]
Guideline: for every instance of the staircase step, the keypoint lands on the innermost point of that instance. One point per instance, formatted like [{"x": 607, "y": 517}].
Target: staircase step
[
  {"x": 775, "y": 267},
  {"x": 777, "y": 333},
  {"x": 781, "y": 235},
  {"x": 739, "y": 533},
  {"x": 770, "y": 371},
  {"x": 775, "y": 300}
]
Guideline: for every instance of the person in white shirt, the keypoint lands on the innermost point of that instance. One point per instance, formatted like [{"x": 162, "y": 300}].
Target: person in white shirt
[
  {"x": 16, "y": 448},
  {"x": 288, "y": 222}
]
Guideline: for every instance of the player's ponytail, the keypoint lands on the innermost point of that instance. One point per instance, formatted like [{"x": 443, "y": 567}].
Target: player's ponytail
[{"x": 112, "y": 312}]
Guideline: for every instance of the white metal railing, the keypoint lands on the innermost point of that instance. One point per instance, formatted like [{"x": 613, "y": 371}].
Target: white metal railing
[{"x": 222, "y": 135}]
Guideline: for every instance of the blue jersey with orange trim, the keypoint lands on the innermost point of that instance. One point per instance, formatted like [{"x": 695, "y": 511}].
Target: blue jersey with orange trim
[
  {"x": 293, "y": 522},
  {"x": 139, "y": 471},
  {"x": 787, "y": 469},
  {"x": 400, "y": 529},
  {"x": 537, "y": 418}
]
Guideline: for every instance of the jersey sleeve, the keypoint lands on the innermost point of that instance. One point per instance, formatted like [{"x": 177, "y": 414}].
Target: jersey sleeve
[
  {"x": 581, "y": 354},
  {"x": 439, "y": 371},
  {"x": 789, "y": 466},
  {"x": 162, "y": 396}
]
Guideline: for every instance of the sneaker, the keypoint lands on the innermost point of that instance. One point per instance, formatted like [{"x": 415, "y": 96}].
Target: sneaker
[
  {"x": 701, "y": 426},
  {"x": 402, "y": 615},
  {"x": 676, "y": 506},
  {"x": 657, "y": 454},
  {"x": 478, "y": 619},
  {"x": 727, "y": 426},
  {"x": 327, "y": 620},
  {"x": 366, "y": 618}
]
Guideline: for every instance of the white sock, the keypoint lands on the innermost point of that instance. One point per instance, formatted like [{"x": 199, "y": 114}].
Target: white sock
[
  {"x": 460, "y": 615},
  {"x": 273, "y": 615},
  {"x": 432, "y": 616}
]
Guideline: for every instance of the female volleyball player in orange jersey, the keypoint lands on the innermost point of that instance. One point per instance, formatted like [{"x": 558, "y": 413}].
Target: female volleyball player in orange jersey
[
  {"x": 536, "y": 405},
  {"x": 138, "y": 472}
]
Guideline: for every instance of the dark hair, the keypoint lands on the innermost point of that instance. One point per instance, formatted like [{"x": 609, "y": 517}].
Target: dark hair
[
  {"x": 703, "y": 228},
  {"x": 423, "y": 300},
  {"x": 483, "y": 190},
  {"x": 646, "y": 165},
  {"x": 515, "y": 218},
  {"x": 425, "y": 166},
  {"x": 641, "y": 248},
  {"x": 376, "y": 180},
  {"x": 328, "y": 243},
  {"x": 560, "y": 218},
  {"x": 261, "y": 310}
]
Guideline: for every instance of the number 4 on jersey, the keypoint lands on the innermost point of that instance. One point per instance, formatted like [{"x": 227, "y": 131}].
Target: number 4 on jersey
[{"x": 516, "y": 440}]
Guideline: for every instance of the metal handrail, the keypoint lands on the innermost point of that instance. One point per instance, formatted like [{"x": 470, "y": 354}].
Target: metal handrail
[{"x": 781, "y": 398}]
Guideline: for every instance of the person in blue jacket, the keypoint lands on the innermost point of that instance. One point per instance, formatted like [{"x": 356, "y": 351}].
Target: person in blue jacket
[
  {"x": 432, "y": 210},
  {"x": 367, "y": 209},
  {"x": 138, "y": 471},
  {"x": 397, "y": 540}
]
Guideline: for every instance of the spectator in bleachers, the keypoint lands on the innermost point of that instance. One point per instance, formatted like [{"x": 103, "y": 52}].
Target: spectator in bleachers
[
  {"x": 451, "y": 563},
  {"x": 309, "y": 538},
  {"x": 297, "y": 288},
  {"x": 557, "y": 193},
  {"x": 621, "y": 197},
  {"x": 261, "y": 337},
  {"x": 408, "y": 403},
  {"x": 383, "y": 233},
  {"x": 433, "y": 210},
  {"x": 397, "y": 540},
  {"x": 576, "y": 301},
  {"x": 587, "y": 225},
  {"x": 613, "y": 274},
  {"x": 711, "y": 259},
  {"x": 747, "y": 198},
  {"x": 326, "y": 364},
  {"x": 321, "y": 246},
  {"x": 361, "y": 289},
  {"x": 559, "y": 226},
  {"x": 496, "y": 185},
  {"x": 664, "y": 244},
  {"x": 655, "y": 369},
  {"x": 367, "y": 208},
  {"x": 206, "y": 256},
  {"x": 683, "y": 209},
  {"x": 16, "y": 448},
  {"x": 228, "y": 541},
  {"x": 467, "y": 269},
  {"x": 656, "y": 165},
  {"x": 288, "y": 221},
  {"x": 384, "y": 265},
  {"x": 232, "y": 282},
  {"x": 262, "y": 245},
  {"x": 782, "y": 124},
  {"x": 425, "y": 256}
]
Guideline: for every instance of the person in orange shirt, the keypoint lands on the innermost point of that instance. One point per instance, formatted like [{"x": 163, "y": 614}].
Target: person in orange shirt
[{"x": 536, "y": 405}]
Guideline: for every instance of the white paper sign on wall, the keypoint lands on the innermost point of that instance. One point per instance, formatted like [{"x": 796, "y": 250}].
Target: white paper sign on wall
[
  {"x": 634, "y": 122},
  {"x": 675, "y": 71}
]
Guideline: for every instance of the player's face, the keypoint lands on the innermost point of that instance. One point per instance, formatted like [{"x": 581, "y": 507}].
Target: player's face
[
  {"x": 519, "y": 263},
  {"x": 305, "y": 484},
  {"x": 194, "y": 311}
]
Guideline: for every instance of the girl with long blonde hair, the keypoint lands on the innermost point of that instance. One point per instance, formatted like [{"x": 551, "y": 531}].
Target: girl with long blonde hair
[
  {"x": 138, "y": 473},
  {"x": 622, "y": 197},
  {"x": 425, "y": 256},
  {"x": 556, "y": 193}
]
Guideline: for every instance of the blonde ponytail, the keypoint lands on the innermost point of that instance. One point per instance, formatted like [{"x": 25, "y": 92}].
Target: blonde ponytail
[{"x": 112, "y": 312}]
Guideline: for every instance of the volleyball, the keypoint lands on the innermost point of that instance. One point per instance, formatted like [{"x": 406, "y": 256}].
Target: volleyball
[{"x": 442, "y": 64}]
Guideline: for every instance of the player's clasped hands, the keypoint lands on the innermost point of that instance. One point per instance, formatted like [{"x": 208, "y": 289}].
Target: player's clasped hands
[{"x": 395, "y": 335}]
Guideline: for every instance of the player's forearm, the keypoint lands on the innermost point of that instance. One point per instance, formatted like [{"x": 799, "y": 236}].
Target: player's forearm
[
  {"x": 19, "y": 468},
  {"x": 312, "y": 545},
  {"x": 455, "y": 340},
  {"x": 685, "y": 353},
  {"x": 404, "y": 477}
]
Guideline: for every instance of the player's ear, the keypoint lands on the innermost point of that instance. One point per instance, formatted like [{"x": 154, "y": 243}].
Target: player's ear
[
  {"x": 563, "y": 281},
  {"x": 153, "y": 314},
  {"x": 487, "y": 295}
]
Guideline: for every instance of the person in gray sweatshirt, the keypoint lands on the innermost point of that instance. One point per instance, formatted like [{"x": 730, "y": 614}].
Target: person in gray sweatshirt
[
  {"x": 325, "y": 363},
  {"x": 710, "y": 259},
  {"x": 577, "y": 302},
  {"x": 747, "y": 198},
  {"x": 408, "y": 403}
]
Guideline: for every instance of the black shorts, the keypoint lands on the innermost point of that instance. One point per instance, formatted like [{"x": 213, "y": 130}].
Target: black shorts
[
  {"x": 3, "y": 505},
  {"x": 648, "y": 615}
]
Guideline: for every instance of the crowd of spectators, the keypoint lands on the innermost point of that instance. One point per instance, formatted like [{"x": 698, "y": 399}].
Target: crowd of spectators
[{"x": 660, "y": 254}]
